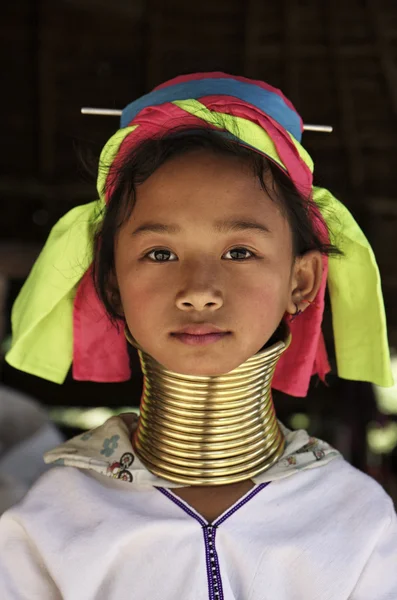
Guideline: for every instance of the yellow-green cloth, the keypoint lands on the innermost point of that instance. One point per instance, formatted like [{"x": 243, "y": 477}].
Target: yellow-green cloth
[{"x": 42, "y": 316}]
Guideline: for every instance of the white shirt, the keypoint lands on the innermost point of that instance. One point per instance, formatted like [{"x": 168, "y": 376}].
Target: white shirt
[{"x": 326, "y": 533}]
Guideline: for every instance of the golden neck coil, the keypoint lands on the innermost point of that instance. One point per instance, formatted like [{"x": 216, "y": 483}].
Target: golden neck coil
[{"x": 197, "y": 430}]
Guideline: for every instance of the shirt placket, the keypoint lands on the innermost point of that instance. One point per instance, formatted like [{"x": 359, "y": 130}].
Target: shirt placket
[
  {"x": 213, "y": 571},
  {"x": 215, "y": 588}
]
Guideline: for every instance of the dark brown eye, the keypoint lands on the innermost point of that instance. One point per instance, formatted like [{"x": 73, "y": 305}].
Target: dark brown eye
[
  {"x": 161, "y": 255},
  {"x": 239, "y": 254}
]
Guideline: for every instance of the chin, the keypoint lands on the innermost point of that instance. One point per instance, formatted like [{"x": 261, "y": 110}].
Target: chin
[{"x": 201, "y": 368}]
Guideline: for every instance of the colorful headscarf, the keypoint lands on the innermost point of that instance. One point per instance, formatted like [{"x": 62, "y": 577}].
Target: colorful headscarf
[{"x": 58, "y": 319}]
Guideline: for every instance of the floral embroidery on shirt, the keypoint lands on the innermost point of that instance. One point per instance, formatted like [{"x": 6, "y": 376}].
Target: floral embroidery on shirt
[
  {"x": 110, "y": 445},
  {"x": 119, "y": 470},
  {"x": 288, "y": 461},
  {"x": 313, "y": 445}
]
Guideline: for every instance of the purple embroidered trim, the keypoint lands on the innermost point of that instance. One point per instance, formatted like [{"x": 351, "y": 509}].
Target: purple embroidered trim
[
  {"x": 211, "y": 592},
  {"x": 223, "y": 518},
  {"x": 182, "y": 506},
  {"x": 218, "y": 571},
  {"x": 216, "y": 524},
  {"x": 214, "y": 578},
  {"x": 240, "y": 504}
]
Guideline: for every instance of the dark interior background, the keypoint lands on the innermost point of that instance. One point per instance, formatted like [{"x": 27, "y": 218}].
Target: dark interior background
[{"x": 336, "y": 61}]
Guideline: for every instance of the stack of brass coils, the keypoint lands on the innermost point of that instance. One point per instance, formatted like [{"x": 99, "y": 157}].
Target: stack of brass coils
[{"x": 215, "y": 430}]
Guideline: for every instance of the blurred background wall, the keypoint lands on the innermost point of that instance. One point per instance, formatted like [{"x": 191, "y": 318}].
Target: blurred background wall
[{"x": 336, "y": 60}]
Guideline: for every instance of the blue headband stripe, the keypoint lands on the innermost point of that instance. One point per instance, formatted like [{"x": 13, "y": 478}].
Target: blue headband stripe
[{"x": 268, "y": 102}]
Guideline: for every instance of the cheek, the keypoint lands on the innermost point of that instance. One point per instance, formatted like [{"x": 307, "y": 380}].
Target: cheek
[
  {"x": 142, "y": 296},
  {"x": 265, "y": 299}
]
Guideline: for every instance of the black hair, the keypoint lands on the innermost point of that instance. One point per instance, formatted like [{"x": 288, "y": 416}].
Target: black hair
[{"x": 134, "y": 167}]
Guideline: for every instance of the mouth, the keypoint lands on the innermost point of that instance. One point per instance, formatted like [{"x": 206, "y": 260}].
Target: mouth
[{"x": 200, "y": 335}]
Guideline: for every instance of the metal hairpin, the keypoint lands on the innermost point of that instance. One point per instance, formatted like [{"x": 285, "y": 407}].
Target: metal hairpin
[{"x": 116, "y": 112}]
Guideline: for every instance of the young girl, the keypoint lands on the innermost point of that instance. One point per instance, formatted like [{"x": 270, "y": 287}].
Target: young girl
[{"x": 210, "y": 251}]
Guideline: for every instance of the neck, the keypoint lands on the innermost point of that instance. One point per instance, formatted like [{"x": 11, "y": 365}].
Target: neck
[{"x": 198, "y": 430}]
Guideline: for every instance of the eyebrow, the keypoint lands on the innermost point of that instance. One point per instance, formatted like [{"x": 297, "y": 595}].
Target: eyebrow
[{"x": 221, "y": 226}]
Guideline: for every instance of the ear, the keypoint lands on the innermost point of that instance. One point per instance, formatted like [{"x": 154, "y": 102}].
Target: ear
[
  {"x": 114, "y": 295},
  {"x": 305, "y": 280}
]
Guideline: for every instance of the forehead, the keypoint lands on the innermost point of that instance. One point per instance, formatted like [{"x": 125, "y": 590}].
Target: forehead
[{"x": 203, "y": 184}]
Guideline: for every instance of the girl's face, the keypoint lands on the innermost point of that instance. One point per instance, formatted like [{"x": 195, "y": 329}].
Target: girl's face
[{"x": 205, "y": 248}]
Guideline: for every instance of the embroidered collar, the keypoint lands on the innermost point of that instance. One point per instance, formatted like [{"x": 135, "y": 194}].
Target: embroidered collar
[{"x": 108, "y": 450}]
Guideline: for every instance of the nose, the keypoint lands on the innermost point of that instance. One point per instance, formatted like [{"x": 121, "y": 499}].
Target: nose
[{"x": 200, "y": 290}]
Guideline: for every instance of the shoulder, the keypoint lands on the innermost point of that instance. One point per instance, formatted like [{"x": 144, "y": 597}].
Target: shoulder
[
  {"x": 57, "y": 480},
  {"x": 69, "y": 494},
  {"x": 64, "y": 503},
  {"x": 58, "y": 490},
  {"x": 319, "y": 476},
  {"x": 348, "y": 481},
  {"x": 343, "y": 494}
]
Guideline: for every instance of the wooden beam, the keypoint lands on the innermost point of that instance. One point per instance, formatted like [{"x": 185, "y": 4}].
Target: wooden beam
[
  {"x": 16, "y": 259},
  {"x": 249, "y": 37},
  {"x": 384, "y": 49},
  {"x": 343, "y": 85},
  {"x": 11, "y": 188},
  {"x": 46, "y": 92},
  {"x": 291, "y": 52}
]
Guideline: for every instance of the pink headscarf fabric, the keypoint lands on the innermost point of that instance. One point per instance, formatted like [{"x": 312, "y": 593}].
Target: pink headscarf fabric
[{"x": 100, "y": 349}]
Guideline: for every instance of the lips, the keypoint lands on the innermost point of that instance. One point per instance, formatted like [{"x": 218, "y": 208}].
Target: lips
[
  {"x": 200, "y": 334},
  {"x": 199, "y": 329}
]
